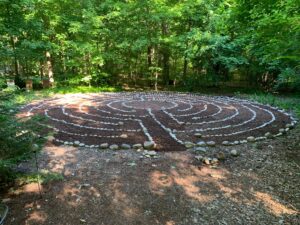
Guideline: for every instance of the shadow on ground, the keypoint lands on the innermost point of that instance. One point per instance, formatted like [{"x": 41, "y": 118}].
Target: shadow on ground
[{"x": 261, "y": 186}]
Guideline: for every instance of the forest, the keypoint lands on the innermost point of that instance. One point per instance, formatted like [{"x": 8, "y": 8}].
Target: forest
[{"x": 152, "y": 43}]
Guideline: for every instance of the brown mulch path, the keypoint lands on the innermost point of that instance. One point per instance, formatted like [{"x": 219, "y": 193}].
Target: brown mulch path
[{"x": 261, "y": 186}]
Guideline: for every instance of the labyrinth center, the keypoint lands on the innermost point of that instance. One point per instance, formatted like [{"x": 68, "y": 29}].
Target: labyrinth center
[{"x": 168, "y": 120}]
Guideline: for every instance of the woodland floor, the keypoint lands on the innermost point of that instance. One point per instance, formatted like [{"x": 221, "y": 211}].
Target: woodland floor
[{"x": 261, "y": 186}]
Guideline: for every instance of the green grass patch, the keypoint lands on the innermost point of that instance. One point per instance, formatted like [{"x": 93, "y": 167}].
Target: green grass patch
[
  {"x": 289, "y": 103},
  {"x": 44, "y": 177}
]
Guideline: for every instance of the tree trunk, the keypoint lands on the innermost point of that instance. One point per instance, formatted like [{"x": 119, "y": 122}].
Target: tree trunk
[
  {"x": 41, "y": 69},
  {"x": 185, "y": 64},
  {"x": 165, "y": 56},
  {"x": 150, "y": 56},
  {"x": 16, "y": 62},
  {"x": 156, "y": 79},
  {"x": 49, "y": 68}
]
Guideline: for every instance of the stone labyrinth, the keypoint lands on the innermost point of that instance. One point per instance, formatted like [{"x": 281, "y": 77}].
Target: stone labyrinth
[{"x": 162, "y": 121}]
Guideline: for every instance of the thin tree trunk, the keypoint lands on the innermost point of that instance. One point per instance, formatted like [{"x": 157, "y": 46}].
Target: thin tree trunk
[
  {"x": 49, "y": 67},
  {"x": 185, "y": 64},
  {"x": 41, "y": 69},
  {"x": 16, "y": 62},
  {"x": 166, "y": 56},
  {"x": 150, "y": 55},
  {"x": 156, "y": 78}
]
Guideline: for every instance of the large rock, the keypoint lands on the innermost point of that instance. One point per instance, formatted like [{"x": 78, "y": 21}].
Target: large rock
[{"x": 149, "y": 145}]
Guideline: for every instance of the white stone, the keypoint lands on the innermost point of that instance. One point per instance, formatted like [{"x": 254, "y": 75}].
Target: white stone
[
  {"x": 225, "y": 143},
  {"x": 104, "y": 146},
  {"x": 149, "y": 145},
  {"x": 114, "y": 147},
  {"x": 198, "y": 135},
  {"x": 35, "y": 147},
  {"x": 124, "y": 136},
  {"x": 137, "y": 146},
  {"x": 211, "y": 143},
  {"x": 251, "y": 139},
  {"x": 234, "y": 153},
  {"x": 199, "y": 157},
  {"x": 282, "y": 130},
  {"x": 236, "y": 142},
  {"x": 268, "y": 135},
  {"x": 201, "y": 144},
  {"x": 125, "y": 146},
  {"x": 50, "y": 138},
  {"x": 206, "y": 160},
  {"x": 201, "y": 149},
  {"x": 189, "y": 144},
  {"x": 214, "y": 160},
  {"x": 150, "y": 153}
]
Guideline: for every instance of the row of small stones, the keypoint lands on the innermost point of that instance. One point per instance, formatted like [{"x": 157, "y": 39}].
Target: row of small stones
[
  {"x": 267, "y": 135},
  {"x": 188, "y": 145},
  {"x": 149, "y": 145}
]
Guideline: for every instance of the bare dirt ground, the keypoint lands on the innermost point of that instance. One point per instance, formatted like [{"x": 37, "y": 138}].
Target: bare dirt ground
[{"x": 260, "y": 186}]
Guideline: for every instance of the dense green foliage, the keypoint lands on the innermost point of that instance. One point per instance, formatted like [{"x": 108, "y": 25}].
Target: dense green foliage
[
  {"x": 17, "y": 137},
  {"x": 190, "y": 42}
]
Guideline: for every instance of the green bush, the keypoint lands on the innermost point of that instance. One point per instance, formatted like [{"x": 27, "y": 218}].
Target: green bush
[
  {"x": 288, "y": 80},
  {"x": 16, "y": 138}
]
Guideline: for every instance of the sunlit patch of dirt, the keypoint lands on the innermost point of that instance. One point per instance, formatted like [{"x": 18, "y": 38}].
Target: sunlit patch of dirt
[
  {"x": 274, "y": 206},
  {"x": 36, "y": 217},
  {"x": 122, "y": 202},
  {"x": 158, "y": 181},
  {"x": 189, "y": 185}
]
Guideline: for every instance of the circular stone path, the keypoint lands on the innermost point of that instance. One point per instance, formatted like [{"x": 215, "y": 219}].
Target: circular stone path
[{"x": 170, "y": 120}]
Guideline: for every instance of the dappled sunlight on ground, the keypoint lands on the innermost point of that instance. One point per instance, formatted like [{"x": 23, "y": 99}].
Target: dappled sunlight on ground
[
  {"x": 273, "y": 205},
  {"x": 118, "y": 188},
  {"x": 36, "y": 218}
]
